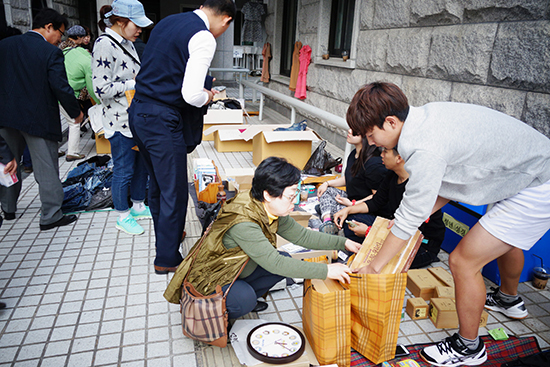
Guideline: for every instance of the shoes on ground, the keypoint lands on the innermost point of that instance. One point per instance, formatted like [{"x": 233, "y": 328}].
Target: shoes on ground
[
  {"x": 60, "y": 153},
  {"x": 129, "y": 225},
  {"x": 452, "y": 352},
  {"x": 161, "y": 270},
  {"x": 9, "y": 216},
  {"x": 2, "y": 305},
  {"x": 74, "y": 157},
  {"x": 66, "y": 219},
  {"x": 144, "y": 214},
  {"x": 329, "y": 227},
  {"x": 514, "y": 310},
  {"x": 260, "y": 306},
  {"x": 27, "y": 169}
]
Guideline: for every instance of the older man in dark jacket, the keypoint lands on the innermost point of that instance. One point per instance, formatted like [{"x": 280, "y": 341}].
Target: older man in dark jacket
[{"x": 32, "y": 81}]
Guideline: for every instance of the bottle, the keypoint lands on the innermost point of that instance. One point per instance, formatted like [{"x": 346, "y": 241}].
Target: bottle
[{"x": 221, "y": 193}]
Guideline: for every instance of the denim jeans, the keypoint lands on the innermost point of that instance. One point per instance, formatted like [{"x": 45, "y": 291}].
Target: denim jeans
[{"x": 128, "y": 172}]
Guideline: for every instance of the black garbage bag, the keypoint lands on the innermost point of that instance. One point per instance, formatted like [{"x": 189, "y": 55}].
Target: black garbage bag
[{"x": 321, "y": 161}]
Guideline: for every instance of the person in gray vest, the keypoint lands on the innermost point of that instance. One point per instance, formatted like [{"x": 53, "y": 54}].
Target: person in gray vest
[{"x": 166, "y": 115}]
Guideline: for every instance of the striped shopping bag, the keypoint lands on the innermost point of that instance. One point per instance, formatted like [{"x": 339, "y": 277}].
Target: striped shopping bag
[
  {"x": 327, "y": 321},
  {"x": 376, "y": 306}
]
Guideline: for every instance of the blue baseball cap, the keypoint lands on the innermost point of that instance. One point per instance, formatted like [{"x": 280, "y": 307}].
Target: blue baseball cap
[{"x": 131, "y": 9}]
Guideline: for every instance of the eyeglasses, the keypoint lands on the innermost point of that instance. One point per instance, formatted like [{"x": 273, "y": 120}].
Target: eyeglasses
[
  {"x": 60, "y": 31},
  {"x": 292, "y": 197},
  {"x": 382, "y": 149}
]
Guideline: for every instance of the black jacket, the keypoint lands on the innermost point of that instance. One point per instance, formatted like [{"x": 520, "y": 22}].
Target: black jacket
[{"x": 32, "y": 81}]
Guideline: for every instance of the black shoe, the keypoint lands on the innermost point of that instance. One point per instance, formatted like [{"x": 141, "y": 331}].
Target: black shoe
[
  {"x": 61, "y": 153},
  {"x": 9, "y": 216},
  {"x": 260, "y": 306},
  {"x": 2, "y": 305},
  {"x": 66, "y": 219}
]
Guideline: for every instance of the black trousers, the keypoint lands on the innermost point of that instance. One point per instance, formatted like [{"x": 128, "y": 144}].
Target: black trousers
[{"x": 157, "y": 131}]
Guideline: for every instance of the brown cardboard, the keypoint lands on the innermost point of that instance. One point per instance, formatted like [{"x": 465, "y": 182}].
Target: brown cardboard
[
  {"x": 294, "y": 146},
  {"x": 422, "y": 283},
  {"x": 372, "y": 244},
  {"x": 307, "y": 359},
  {"x": 332, "y": 254},
  {"x": 443, "y": 314},
  {"x": 231, "y": 141},
  {"x": 102, "y": 145},
  {"x": 443, "y": 276},
  {"x": 220, "y": 117},
  {"x": 444, "y": 292},
  {"x": 417, "y": 308},
  {"x": 239, "y": 178}
]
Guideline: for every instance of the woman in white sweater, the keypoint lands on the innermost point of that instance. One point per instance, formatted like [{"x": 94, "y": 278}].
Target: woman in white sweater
[{"x": 115, "y": 64}]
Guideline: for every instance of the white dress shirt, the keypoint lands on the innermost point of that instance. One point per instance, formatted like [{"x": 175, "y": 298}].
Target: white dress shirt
[{"x": 201, "y": 51}]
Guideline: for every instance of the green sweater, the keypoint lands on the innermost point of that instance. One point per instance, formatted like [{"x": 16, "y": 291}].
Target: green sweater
[
  {"x": 78, "y": 64},
  {"x": 249, "y": 237}
]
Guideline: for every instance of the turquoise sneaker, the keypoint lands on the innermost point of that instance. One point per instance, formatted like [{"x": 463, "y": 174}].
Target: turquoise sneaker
[
  {"x": 129, "y": 225},
  {"x": 144, "y": 214}
]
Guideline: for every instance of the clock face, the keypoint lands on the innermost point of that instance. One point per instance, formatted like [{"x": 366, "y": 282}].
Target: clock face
[{"x": 275, "y": 342}]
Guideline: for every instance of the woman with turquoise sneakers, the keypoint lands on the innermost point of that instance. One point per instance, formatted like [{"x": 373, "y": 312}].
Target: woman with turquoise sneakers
[{"x": 115, "y": 64}]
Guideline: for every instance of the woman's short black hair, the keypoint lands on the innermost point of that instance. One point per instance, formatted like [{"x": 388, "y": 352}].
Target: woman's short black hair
[
  {"x": 47, "y": 16},
  {"x": 273, "y": 175}
]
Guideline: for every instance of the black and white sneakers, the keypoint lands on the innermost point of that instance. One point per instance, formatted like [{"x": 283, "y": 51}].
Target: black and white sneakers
[
  {"x": 514, "y": 310},
  {"x": 452, "y": 352}
]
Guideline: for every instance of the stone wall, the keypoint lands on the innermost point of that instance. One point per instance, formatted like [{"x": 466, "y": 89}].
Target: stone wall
[
  {"x": 489, "y": 52},
  {"x": 19, "y": 15}
]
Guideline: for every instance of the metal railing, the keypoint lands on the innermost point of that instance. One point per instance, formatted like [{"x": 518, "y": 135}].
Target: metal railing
[{"x": 297, "y": 104}]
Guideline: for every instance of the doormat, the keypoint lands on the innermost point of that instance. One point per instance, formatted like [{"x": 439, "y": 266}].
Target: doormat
[{"x": 498, "y": 352}]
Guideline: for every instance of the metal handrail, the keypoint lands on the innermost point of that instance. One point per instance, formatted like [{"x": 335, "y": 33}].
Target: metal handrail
[{"x": 297, "y": 104}]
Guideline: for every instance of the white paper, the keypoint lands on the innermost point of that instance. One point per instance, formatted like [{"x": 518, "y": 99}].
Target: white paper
[{"x": 7, "y": 179}]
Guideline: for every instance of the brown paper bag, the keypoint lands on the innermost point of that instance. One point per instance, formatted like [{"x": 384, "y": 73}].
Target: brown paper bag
[
  {"x": 327, "y": 321},
  {"x": 376, "y": 305}
]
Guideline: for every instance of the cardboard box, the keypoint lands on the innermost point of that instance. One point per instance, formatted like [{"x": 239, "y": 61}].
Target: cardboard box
[
  {"x": 422, "y": 283},
  {"x": 443, "y": 313},
  {"x": 294, "y": 146},
  {"x": 102, "y": 145},
  {"x": 443, "y": 276},
  {"x": 239, "y": 178},
  {"x": 220, "y": 117},
  {"x": 231, "y": 141},
  {"x": 417, "y": 308},
  {"x": 444, "y": 292}
]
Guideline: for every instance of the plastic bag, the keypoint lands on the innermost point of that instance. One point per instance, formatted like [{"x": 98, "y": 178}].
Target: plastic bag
[{"x": 321, "y": 161}]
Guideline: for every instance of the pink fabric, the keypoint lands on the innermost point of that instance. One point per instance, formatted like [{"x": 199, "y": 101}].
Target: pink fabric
[{"x": 305, "y": 60}]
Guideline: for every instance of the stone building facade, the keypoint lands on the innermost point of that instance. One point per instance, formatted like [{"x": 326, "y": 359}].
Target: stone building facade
[
  {"x": 494, "y": 53},
  {"x": 18, "y": 13}
]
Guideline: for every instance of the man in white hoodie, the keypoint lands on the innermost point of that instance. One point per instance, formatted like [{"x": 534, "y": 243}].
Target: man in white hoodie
[{"x": 475, "y": 155}]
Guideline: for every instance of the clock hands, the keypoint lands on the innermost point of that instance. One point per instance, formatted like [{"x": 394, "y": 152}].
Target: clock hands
[{"x": 282, "y": 344}]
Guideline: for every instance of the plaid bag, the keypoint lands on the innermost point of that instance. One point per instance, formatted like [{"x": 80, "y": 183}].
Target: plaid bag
[
  {"x": 205, "y": 318},
  {"x": 326, "y": 319},
  {"x": 376, "y": 306}
]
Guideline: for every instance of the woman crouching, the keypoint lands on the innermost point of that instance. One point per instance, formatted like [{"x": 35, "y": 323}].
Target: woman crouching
[{"x": 246, "y": 229}]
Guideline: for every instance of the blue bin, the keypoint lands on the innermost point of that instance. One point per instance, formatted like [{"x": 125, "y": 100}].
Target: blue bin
[{"x": 469, "y": 215}]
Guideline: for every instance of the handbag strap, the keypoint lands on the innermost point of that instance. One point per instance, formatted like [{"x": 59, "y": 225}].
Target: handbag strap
[
  {"x": 197, "y": 252},
  {"x": 122, "y": 48}
]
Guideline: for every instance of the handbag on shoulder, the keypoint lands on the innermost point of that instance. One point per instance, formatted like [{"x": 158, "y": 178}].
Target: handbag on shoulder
[{"x": 205, "y": 318}]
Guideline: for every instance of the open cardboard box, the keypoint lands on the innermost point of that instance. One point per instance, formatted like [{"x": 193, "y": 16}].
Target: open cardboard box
[
  {"x": 229, "y": 138},
  {"x": 294, "y": 146},
  {"x": 220, "y": 117},
  {"x": 239, "y": 178}
]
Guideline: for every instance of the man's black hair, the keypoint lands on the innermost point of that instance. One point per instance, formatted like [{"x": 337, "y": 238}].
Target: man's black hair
[
  {"x": 47, "y": 16},
  {"x": 273, "y": 175},
  {"x": 222, "y": 7}
]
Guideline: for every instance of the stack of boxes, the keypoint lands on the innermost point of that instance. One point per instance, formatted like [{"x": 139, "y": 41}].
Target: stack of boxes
[{"x": 436, "y": 286}]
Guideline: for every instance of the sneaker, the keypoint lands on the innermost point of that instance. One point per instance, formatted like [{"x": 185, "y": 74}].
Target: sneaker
[
  {"x": 514, "y": 310},
  {"x": 144, "y": 214},
  {"x": 329, "y": 227},
  {"x": 129, "y": 225},
  {"x": 452, "y": 352}
]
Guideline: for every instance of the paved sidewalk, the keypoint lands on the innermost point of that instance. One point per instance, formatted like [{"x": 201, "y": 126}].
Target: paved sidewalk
[{"x": 86, "y": 294}]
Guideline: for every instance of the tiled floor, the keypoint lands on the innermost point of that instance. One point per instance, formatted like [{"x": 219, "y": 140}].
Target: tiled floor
[{"x": 86, "y": 294}]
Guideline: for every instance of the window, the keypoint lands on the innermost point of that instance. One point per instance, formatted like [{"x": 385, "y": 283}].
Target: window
[
  {"x": 341, "y": 27},
  {"x": 289, "y": 35}
]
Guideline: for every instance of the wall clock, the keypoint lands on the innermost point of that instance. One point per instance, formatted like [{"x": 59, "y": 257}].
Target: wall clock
[{"x": 275, "y": 342}]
